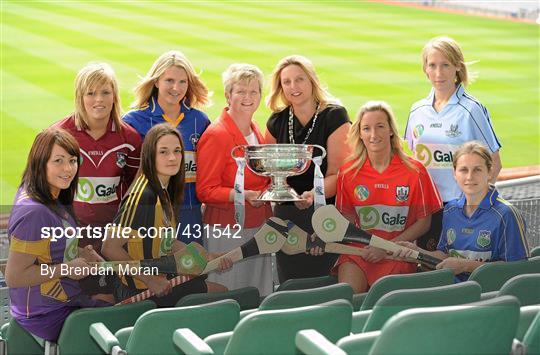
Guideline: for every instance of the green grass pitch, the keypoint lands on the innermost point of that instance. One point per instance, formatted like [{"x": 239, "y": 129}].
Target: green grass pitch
[{"x": 362, "y": 51}]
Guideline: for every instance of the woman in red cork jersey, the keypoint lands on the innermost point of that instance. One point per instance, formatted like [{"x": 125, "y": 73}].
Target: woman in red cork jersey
[{"x": 383, "y": 191}]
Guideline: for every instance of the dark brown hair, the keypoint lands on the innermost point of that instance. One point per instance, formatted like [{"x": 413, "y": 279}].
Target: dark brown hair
[
  {"x": 148, "y": 167},
  {"x": 34, "y": 179}
]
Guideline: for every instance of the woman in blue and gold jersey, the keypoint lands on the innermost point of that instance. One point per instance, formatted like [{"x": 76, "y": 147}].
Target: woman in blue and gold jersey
[
  {"x": 480, "y": 226},
  {"x": 172, "y": 92},
  {"x": 150, "y": 208},
  {"x": 40, "y": 271}
]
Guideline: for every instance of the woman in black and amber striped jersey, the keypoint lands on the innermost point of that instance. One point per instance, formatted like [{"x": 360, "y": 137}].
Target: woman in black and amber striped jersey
[{"x": 151, "y": 204}]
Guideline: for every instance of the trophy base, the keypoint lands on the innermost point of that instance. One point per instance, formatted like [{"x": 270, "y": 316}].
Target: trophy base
[{"x": 279, "y": 196}]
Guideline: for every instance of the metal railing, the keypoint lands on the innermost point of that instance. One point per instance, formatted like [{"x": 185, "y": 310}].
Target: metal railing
[{"x": 524, "y": 194}]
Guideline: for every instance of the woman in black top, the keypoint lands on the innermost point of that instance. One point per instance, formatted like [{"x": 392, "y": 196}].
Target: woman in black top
[{"x": 305, "y": 113}]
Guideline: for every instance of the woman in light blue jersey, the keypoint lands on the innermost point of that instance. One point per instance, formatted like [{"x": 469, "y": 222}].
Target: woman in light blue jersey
[
  {"x": 480, "y": 226},
  {"x": 172, "y": 92},
  {"x": 447, "y": 118}
]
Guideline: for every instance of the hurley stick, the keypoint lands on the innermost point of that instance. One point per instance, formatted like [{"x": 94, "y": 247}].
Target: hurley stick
[
  {"x": 187, "y": 261},
  {"x": 298, "y": 241},
  {"x": 331, "y": 226},
  {"x": 268, "y": 239}
]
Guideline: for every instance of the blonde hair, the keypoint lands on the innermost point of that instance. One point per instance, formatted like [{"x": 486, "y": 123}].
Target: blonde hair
[
  {"x": 197, "y": 94},
  {"x": 358, "y": 150},
  {"x": 473, "y": 147},
  {"x": 276, "y": 100},
  {"x": 451, "y": 51},
  {"x": 239, "y": 72},
  {"x": 89, "y": 78}
]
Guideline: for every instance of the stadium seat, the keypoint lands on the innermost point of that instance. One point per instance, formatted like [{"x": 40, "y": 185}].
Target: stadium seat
[
  {"x": 5, "y": 316},
  {"x": 535, "y": 252},
  {"x": 399, "y": 300},
  {"x": 526, "y": 316},
  {"x": 20, "y": 342},
  {"x": 530, "y": 345},
  {"x": 403, "y": 281},
  {"x": 302, "y": 298},
  {"x": 307, "y": 297},
  {"x": 485, "y": 327},
  {"x": 308, "y": 282},
  {"x": 153, "y": 331},
  {"x": 492, "y": 276},
  {"x": 525, "y": 287},
  {"x": 273, "y": 332},
  {"x": 247, "y": 298},
  {"x": 74, "y": 337},
  {"x": 531, "y": 340}
]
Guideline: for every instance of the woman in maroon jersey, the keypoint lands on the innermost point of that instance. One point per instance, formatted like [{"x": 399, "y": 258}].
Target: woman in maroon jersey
[{"x": 110, "y": 152}]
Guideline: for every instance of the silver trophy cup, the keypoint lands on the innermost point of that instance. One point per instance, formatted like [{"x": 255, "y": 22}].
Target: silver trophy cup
[{"x": 277, "y": 161}]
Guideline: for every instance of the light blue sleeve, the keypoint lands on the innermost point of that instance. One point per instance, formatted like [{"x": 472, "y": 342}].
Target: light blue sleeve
[
  {"x": 483, "y": 127},
  {"x": 408, "y": 136}
]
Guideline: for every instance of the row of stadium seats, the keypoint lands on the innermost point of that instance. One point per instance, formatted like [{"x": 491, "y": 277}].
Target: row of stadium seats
[
  {"x": 485, "y": 327},
  {"x": 386, "y": 298}
]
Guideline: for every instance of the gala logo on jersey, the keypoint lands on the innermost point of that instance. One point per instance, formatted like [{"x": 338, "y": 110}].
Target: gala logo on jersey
[
  {"x": 369, "y": 217},
  {"x": 97, "y": 189},
  {"x": 383, "y": 217},
  {"x": 423, "y": 154},
  {"x": 437, "y": 157}
]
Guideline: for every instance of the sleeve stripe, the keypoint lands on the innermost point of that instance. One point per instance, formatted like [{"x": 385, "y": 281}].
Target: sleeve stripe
[
  {"x": 519, "y": 221},
  {"x": 480, "y": 130},
  {"x": 139, "y": 194},
  {"x": 130, "y": 207},
  {"x": 38, "y": 247}
]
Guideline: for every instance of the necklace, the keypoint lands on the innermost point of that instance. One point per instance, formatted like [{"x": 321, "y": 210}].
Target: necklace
[{"x": 291, "y": 134}]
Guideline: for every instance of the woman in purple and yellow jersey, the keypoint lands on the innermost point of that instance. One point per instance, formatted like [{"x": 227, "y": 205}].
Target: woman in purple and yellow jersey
[
  {"x": 43, "y": 297},
  {"x": 172, "y": 92}
]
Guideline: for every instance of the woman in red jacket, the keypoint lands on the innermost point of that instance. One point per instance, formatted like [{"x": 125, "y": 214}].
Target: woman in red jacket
[{"x": 229, "y": 224}]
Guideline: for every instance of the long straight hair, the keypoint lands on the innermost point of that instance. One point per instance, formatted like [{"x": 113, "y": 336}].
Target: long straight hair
[
  {"x": 359, "y": 151},
  {"x": 276, "y": 100},
  {"x": 175, "y": 189},
  {"x": 197, "y": 94},
  {"x": 34, "y": 179}
]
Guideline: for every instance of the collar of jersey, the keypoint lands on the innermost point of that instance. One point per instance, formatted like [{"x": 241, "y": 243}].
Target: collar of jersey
[
  {"x": 453, "y": 100},
  {"x": 486, "y": 202},
  {"x": 157, "y": 111}
]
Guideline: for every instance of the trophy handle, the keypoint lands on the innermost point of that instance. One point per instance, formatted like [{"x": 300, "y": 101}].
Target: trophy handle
[
  {"x": 238, "y": 147},
  {"x": 321, "y": 148}
]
